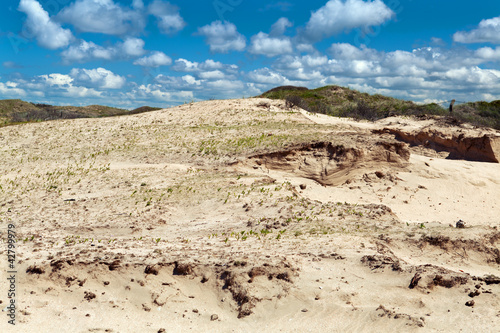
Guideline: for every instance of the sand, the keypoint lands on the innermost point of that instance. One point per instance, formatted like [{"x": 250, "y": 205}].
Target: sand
[{"x": 244, "y": 216}]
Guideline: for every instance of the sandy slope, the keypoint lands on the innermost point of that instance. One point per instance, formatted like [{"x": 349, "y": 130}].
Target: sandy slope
[{"x": 271, "y": 219}]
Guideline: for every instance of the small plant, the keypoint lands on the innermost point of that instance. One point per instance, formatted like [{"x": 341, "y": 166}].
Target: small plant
[{"x": 265, "y": 232}]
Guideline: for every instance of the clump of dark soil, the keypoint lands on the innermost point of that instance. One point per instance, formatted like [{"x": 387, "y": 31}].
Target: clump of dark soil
[
  {"x": 151, "y": 269},
  {"x": 183, "y": 269},
  {"x": 88, "y": 295},
  {"x": 380, "y": 261},
  {"x": 448, "y": 282},
  {"x": 35, "y": 270}
]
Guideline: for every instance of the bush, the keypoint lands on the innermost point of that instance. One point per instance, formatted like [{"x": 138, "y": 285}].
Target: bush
[
  {"x": 294, "y": 100},
  {"x": 361, "y": 110}
]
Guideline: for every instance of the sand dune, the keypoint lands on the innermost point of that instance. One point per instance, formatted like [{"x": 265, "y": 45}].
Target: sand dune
[{"x": 244, "y": 216}]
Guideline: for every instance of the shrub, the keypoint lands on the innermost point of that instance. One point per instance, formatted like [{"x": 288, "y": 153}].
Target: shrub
[{"x": 294, "y": 100}]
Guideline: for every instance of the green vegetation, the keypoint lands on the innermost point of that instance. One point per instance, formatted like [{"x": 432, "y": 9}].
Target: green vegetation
[
  {"x": 479, "y": 113},
  {"x": 345, "y": 102},
  {"x": 15, "y": 111}
]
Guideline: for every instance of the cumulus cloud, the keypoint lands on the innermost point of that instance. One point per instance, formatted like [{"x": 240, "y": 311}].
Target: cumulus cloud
[
  {"x": 159, "y": 93},
  {"x": 79, "y": 83},
  {"x": 489, "y": 54},
  {"x": 169, "y": 19},
  {"x": 10, "y": 89},
  {"x": 274, "y": 43},
  {"x": 156, "y": 59},
  {"x": 103, "y": 16},
  {"x": 222, "y": 37},
  {"x": 184, "y": 65},
  {"x": 474, "y": 75},
  {"x": 208, "y": 79},
  {"x": 98, "y": 78},
  {"x": 89, "y": 51},
  {"x": 189, "y": 79},
  {"x": 343, "y": 15},
  {"x": 62, "y": 85},
  {"x": 185, "y": 82},
  {"x": 133, "y": 47},
  {"x": 280, "y": 26},
  {"x": 49, "y": 34},
  {"x": 347, "y": 51},
  {"x": 226, "y": 85},
  {"x": 267, "y": 76},
  {"x": 212, "y": 75},
  {"x": 57, "y": 79},
  {"x": 263, "y": 44},
  {"x": 86, "y": 51},
  {"x": 488, "y": 31}
]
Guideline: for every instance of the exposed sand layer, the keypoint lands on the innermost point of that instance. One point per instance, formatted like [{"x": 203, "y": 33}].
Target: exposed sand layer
[
  {"x": 470, "y": 146},
  {"x": 244, "y": 216}
]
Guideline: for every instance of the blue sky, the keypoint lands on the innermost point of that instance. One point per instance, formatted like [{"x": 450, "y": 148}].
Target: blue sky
[{"x": 129, "y": 53}]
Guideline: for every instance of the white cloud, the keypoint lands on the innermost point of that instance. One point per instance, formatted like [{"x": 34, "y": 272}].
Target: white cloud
[
  {"x": 191, "y": 80},
  {"x": 296, "y": 62},
  {"x": 62, "y": 85},
  {"x": 158, "y": 93},
  {"x": 263, "y": 44},
  {"x": 343, "y": 15},
  {"x": 133, "y": 47},
  {"x": 226, "y": 85},
  {"x": 86, "y": 51},
  {"x": 347, "y": 51},
  {"x": 185, "y": 82},
  {"x": 89, "y": 51},
  {"x": 279, "y": 28},
  {"x": 10, "y": 89},
  {"x": 488, "y": 53},
  {"x": 211, "y": 64},
  {"x": 156, "y": 59},
  {"x": 169, "y": 19},
  {"x": 222, "y": 37},
  {"x": 267, "y": 76},
  {"x": 57, "y": 79},
  {"x": 183, "y": 65},
  {"x": 80, "y": 92},
  {"x": 212, "y": 75},
  {"x": 99, "y": 78},
  {"x": 474, "y": 75},
  {"x": 48, "y": 33},
  {"x": 103, "y": 16},
  {"x": 488, "y": 31}
]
